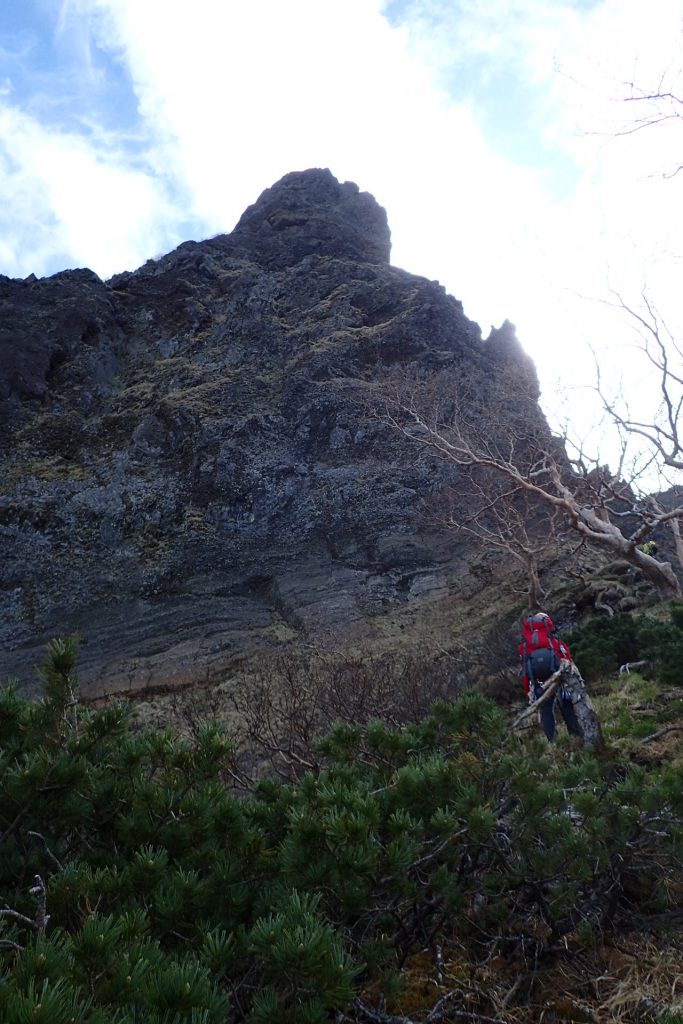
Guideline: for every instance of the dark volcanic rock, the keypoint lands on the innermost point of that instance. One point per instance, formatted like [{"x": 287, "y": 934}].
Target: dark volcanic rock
[
  {"x": 188, "y": 471},
  {"x": 313, "y": 214},
  {"x": 45, "y": 323}
]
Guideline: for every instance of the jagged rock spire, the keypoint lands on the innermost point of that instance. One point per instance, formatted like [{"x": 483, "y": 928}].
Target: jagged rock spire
[{"x": 311, "y": 213}]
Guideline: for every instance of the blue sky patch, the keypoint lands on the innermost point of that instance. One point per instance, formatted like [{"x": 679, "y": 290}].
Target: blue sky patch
[{"x": 59, "y": 75}]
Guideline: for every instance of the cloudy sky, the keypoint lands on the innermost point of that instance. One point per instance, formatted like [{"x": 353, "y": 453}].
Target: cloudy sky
[{"x": 498, "y": 134}]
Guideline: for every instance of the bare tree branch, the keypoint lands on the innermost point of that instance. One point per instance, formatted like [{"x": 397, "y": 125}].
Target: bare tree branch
[
  {"x": 657, "y": 345},
  {"x": 39, "y": 922},
  {"x": 444, "y": 420}
]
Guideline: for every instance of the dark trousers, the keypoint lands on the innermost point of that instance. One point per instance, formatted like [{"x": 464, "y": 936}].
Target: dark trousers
[{"x": 547, "y": 713}]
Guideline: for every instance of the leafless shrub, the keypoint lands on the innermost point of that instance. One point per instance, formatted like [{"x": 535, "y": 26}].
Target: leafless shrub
[
  {"x": 499, "y": 664},
  {"x": 289, "y": 701}
]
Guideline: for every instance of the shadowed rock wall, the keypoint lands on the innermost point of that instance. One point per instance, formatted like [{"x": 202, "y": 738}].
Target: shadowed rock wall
[{"x": 188, "y": 472}]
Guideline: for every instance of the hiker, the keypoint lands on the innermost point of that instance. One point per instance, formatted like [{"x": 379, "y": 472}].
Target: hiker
[
  {"x": 541, "y": 653},
  {"x": 649, "y": 548}
]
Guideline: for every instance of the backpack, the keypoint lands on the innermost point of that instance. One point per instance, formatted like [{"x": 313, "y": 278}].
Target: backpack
[{"x": 539, "y": 656}]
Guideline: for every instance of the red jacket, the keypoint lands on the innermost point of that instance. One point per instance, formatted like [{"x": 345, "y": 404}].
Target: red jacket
[{"x": 538, "y": 635}]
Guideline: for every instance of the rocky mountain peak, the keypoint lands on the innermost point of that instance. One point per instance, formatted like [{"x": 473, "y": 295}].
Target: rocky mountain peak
[
  {"x": 312, "y": 213},
  {"x": 190, "y": 470}
]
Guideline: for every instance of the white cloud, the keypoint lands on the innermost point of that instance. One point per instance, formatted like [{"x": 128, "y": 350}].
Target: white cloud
[
  {"x": 237, "y": 95},
  {"x": 620, "y": 227},
  {"x": 64, "y": 201}
]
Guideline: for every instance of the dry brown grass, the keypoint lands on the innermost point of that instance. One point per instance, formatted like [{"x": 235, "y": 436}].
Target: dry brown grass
[{"x": 638, "y": 978}]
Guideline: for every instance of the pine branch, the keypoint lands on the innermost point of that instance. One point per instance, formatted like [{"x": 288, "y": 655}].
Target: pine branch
[
  {"x": 57, "y": 863},
  {"x": 441, "y": 1011},
  {"x": 9, "y": 944},
  {"x": 39, "y": 923},
  {"x": 661, "y": 732},
  {"x": 16, "y": 916}
]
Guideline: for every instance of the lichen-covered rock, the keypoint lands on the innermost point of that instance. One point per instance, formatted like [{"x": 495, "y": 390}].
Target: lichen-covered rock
[{"x": 188, "y": 469}]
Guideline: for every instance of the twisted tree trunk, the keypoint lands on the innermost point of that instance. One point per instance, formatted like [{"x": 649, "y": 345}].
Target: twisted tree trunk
[
  {"x": 589, "y": 723},
  {"x": 568, "y": 678}
]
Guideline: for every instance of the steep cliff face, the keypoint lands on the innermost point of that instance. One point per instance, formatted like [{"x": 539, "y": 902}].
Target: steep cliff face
[{"x": 188, "y": 470}]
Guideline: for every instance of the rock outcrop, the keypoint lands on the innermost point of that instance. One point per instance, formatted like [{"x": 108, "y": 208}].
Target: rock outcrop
[{"x": 188, "y": 470}]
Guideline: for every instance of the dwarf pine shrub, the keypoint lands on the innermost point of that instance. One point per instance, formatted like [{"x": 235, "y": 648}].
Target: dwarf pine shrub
[
  {"x": 603, "y": 645},
  {"x": 165, "y": 897}
]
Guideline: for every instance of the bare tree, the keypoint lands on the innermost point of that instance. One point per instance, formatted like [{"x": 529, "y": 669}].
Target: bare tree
[
  {"x": 661, "y": 434},
  {"x": 678, "y": 539},
  {"x": 649, "y": 107},
  {"x": 504, "y": 516},
  {"x": 657, "y": 438},
  {"x": 497, "y": 439},
  {"x": 486, "y": 432}
]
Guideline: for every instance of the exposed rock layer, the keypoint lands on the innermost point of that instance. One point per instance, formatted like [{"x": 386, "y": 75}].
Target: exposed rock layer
[{"x": 188, "y": 471}]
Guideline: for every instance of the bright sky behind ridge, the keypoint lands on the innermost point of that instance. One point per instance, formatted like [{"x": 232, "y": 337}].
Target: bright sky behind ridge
[{"x": 489, "y": 129}]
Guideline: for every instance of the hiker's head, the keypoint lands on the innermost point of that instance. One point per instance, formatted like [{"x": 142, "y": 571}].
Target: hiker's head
[{"x": 545, "y": 619}]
